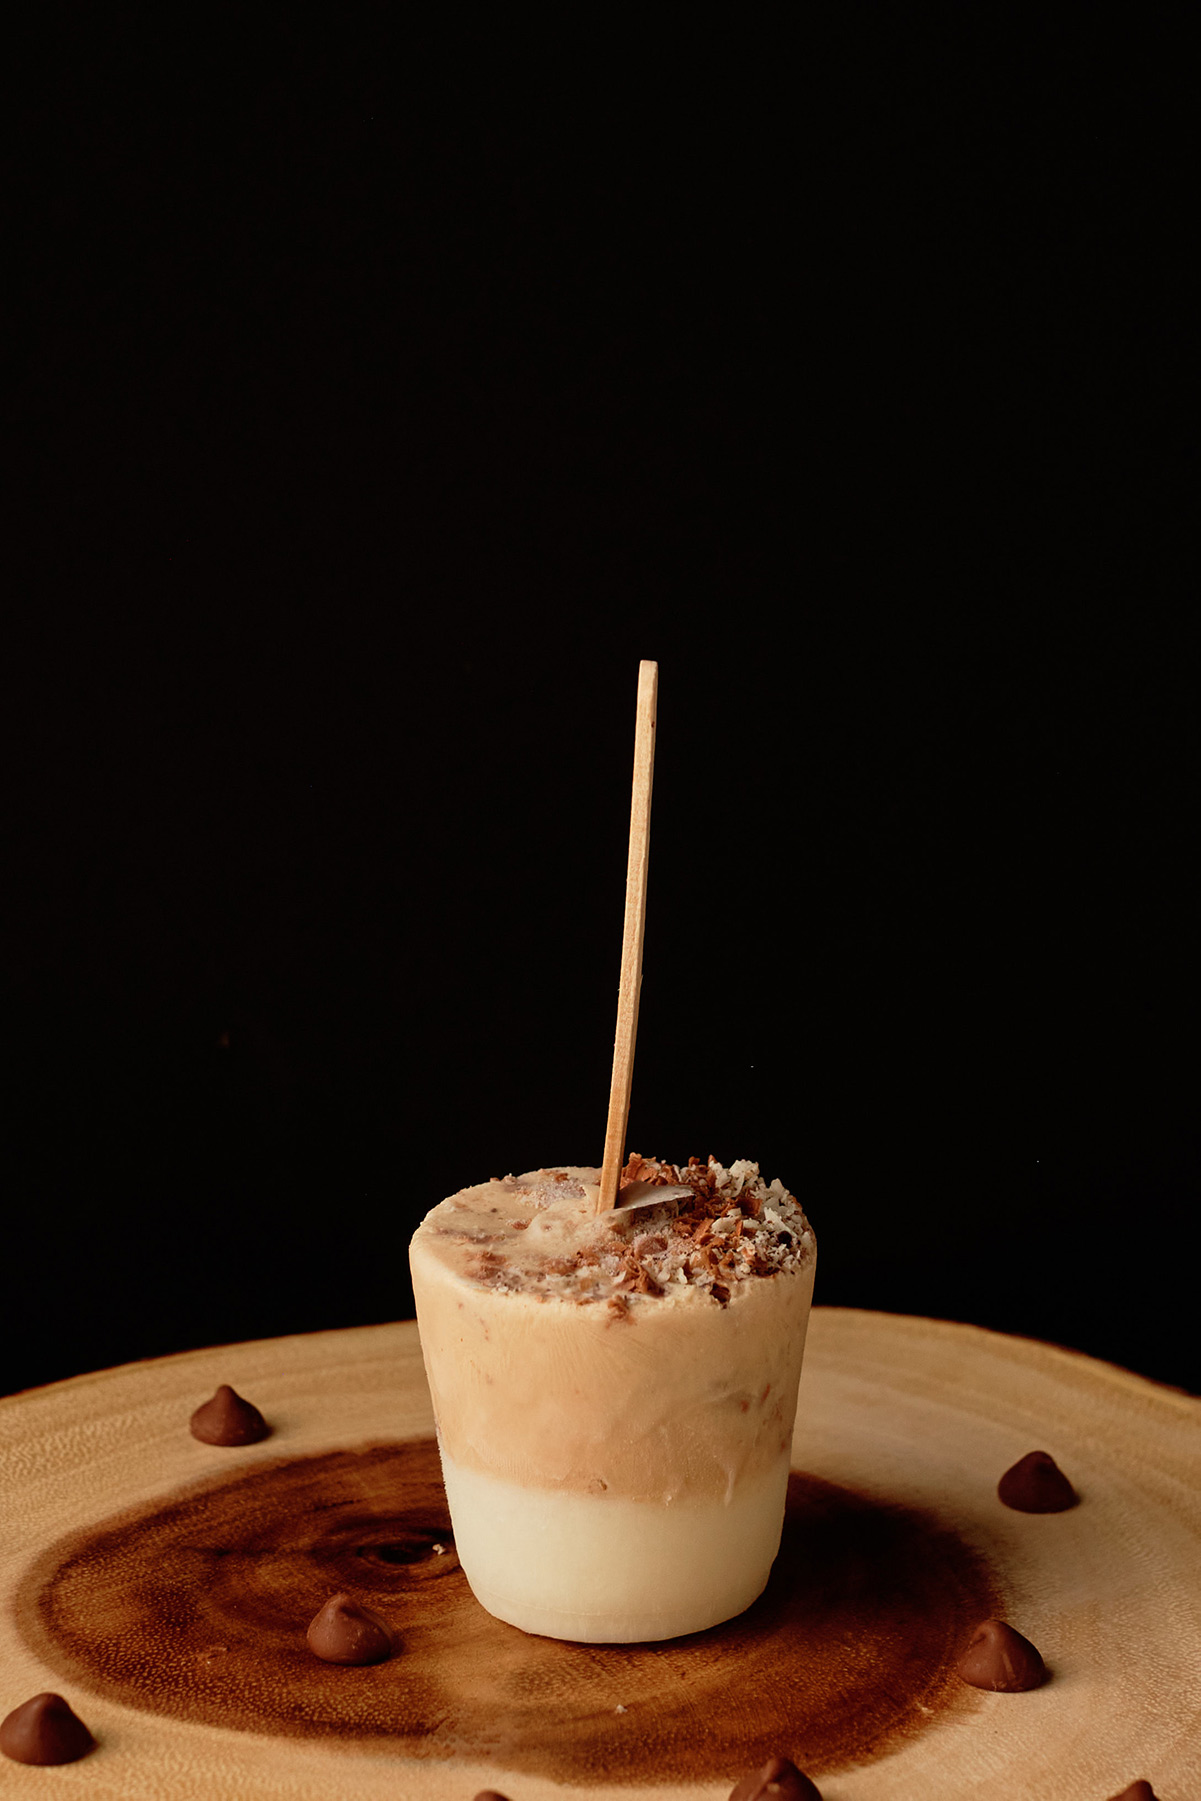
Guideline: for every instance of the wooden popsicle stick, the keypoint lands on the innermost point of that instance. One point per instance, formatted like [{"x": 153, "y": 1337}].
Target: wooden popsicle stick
[{"x": 631, "y": 944}]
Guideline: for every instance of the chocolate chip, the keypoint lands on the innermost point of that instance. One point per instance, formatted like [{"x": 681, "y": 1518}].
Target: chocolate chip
[
  {"x": 490, "y": 1794},
  {"x": 1036, "y": 1484},
  {"x": 344, "y": 1632},
  {"x": 228, "y": 1420},
  {"x": 1138, "y": 1791},
  {"x": 44, "y": 1730},
  {"x": 1001, "y": 1659},
  {"x": 780, "y": 1780}
]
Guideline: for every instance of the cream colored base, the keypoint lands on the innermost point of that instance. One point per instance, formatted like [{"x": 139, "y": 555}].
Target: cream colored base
[{"x": 603, "y": 1570}]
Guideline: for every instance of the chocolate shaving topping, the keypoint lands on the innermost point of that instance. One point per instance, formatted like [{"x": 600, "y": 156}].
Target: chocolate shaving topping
[
  {"x": 693, "y": 1226},
  {"x": 44, "y": 1730},
  {"x": 344, "y": 1632},
  {"x": 779, "y": 1777},
  {"x": 1000, "y": 1659},
  {"x": 1138, "y": 1791},
  {"x": 1036, "y": 1484},
  {"x": 227, "y": 1419}
]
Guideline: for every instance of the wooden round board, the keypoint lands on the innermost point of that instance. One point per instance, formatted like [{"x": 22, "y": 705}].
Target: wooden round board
[{"x": 164, "y": 1586}]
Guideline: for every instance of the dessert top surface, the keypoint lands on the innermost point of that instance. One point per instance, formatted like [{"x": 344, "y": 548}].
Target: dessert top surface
[{"x": 682, "y": 1232}]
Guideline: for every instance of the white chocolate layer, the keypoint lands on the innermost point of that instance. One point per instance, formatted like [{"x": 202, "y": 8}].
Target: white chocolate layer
[{"x": 603, "y": 1570}]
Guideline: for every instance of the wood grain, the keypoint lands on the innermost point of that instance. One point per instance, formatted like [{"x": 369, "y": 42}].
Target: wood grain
[
  {"x": 197, "y": 1606},
  {"x": 133, "y": 1554}
]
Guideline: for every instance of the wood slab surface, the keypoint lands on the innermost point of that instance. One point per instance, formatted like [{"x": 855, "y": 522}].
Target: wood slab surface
[{"x": 164, "y": 1587}]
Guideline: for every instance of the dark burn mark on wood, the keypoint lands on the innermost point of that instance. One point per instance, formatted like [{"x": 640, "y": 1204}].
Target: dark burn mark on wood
[{"x": 198, "y": 1608}]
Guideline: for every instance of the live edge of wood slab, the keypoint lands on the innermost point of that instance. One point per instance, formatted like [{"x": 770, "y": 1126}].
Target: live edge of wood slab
[{"x": 164, "y": 1586}]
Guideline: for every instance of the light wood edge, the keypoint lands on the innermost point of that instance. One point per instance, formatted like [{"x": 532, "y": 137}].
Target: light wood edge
[
  {"x": 1038, "y": 1352},
  {"x": 172, "y": 1359},
  {"x": 1035, "y": 1351}
]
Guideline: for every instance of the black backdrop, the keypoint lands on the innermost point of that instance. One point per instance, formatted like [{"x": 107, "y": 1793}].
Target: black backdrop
[{"x": 381, "y": 397}]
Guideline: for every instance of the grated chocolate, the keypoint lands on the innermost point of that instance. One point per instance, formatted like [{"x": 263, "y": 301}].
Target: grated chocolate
[{"x": 718, "y": 1228}]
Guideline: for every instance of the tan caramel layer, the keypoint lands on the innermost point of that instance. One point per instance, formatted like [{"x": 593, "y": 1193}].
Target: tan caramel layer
[{"x": 672, "y": 1395}]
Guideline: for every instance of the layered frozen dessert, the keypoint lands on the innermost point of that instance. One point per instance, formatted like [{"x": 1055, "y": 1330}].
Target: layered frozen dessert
[{"x": 615, "y": 1391}]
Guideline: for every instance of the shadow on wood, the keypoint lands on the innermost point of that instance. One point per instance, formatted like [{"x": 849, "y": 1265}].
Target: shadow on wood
[{"x": 197, "y": 1607}]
